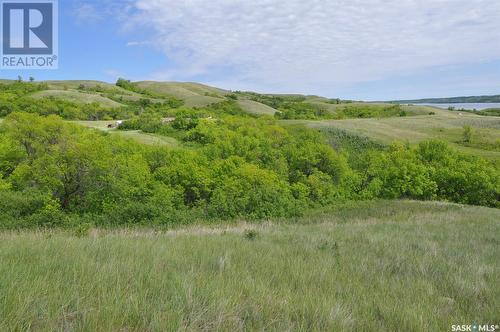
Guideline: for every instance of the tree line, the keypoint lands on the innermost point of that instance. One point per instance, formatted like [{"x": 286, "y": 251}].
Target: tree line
[{"x": 55, "y": 173}]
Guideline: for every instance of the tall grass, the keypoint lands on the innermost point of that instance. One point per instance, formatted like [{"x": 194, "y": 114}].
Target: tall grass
[{"x": 390, "y": 266}]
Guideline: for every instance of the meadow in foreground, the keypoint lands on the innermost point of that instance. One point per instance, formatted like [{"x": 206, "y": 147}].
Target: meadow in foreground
[{"x": 401, "y": 265}]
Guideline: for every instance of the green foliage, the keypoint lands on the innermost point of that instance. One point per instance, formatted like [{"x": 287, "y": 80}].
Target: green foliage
[
  {"x": 126, "y": 84},
  {"x": 16, "y": 97},
  {"x": 82, "y": 229},
  {"x": 143, "y": 102},
  {"x": 246, "y": 190},
  {"x": 17, "y": 205},
  {"x": 369, "y": 111},
  {"x": 180, "y": 120},
  {"x": 399, "y": 174},
  {"x": 233, "y": 166},
  {"x": 240, "y": 167},
  {"x": 250, "y": 234},
  {"x": 147, "y": 122},
  {"x": 274, "y": 101},
  {"x": 489, "y": 112},
  {"x": 468, "y": 134},
  {"x": 10, "y": 93},
  {"x": 459, "y": 177},
  {"x": 432, "y": 171},
  {"x": 355, "y": 147},
  {"x": 302, "y": 111}
]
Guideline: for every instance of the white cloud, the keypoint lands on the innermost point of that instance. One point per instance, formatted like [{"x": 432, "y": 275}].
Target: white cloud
[{"x": 315, "y": 45}]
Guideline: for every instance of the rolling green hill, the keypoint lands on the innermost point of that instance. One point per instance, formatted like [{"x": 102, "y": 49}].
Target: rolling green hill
[
  {"x": 193, "y": 94},
  {"x": 136, "y": 135},
  {"x": 78, "y": 97},
  {"x": 255, "y": 107},
  {"x": 253, "y": 212},
  {"x": 444, "y": 125},
  {"x": 75, "y": 84}
]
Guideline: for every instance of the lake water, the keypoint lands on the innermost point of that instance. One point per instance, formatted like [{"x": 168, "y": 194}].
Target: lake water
[{"x": 466, "y": 106}]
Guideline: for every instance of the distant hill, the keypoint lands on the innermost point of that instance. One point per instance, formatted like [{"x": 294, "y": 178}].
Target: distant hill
[
  {"x": 451, "y": 100},
  {"x": 111, "y": 95},
  {"x": 77, "y": 97},
  {"x": 193, "y": 94}
]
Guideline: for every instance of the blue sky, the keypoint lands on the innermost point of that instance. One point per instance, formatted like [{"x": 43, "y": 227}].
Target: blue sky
[{"x": 359, "y": 49}]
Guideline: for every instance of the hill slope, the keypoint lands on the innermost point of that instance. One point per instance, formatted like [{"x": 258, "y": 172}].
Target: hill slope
[
  {"x": 193, "y": 94},
  {"x": 77, "y": 97},
  {"x": 444, "y": 125},
  {"x": 380, "y": 266}
]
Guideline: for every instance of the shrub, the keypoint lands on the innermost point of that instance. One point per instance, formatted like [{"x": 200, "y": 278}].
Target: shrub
[
  {"x": 467, "y": 134},
  {"x": 401, "y": 174},
  {"x": 250, "y": 234},
  {"x": 432, "y": 171},
  {"x": 247, "y": 191},
  {"x": 460, "y": 178},
  {"x": 233, "y": 167}
]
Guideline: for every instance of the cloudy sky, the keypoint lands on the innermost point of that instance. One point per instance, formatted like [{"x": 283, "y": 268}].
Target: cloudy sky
[{"x": 360, "y": 49}]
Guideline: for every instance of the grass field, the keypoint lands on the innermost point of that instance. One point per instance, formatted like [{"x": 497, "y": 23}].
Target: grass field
[
  {"x": 139, "y": 136},
  {"x": 77, "y": 97},
  {"x": 444, "y": 125},
  {"x": 74, "y": 84},
  {"x": 193, "y": 94},
  {"x": 254, "y": 107},
  {"x": 333, "y": 108},
  {"x": 386, "y": 266}
]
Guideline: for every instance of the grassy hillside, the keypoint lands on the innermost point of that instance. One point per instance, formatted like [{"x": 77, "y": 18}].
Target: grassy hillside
[
  {"x": 86, "y": 91},
  {"x": 193, "y": 94},
  {"x": 295, "y": 217},
  {"x": 77, "y": 97},
  {"x": 136, "y": 135},
  {"x": 412, "y": 110},
  {"x": 399, "y": 266},
  {"x": 109, "y": 95},
  {"x": 75, "y": 84},
  {"x": 444, "y": 125},
  {"x": 254, "y": 107},
  {"x": 93, "y": 87}
]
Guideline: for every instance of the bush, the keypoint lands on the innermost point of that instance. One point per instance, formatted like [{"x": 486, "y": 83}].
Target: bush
[
  {"x": 432, "y": 171},
  {"x": 234, "y": 167},
  {"x": 468, "y": 134},
  {"x": 247, "y": 191},
  {"x": 401, "y": 175},
  {"x": 250, "y": 234},
  {"x": 460, "y": 178}
]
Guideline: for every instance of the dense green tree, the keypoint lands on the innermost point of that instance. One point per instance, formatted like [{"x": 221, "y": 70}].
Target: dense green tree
[{"x": 231, "y": 166}]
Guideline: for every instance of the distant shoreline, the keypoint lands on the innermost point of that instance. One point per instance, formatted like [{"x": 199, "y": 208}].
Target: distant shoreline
[{"x": 464, "y": 106}]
